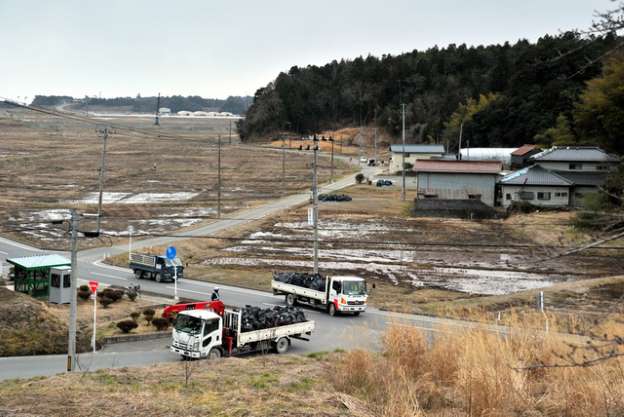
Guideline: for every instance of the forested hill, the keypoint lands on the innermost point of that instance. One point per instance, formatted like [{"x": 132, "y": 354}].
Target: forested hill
[
  {"x": 506, "y": 95},
  {"x": 233, "y": 104}
]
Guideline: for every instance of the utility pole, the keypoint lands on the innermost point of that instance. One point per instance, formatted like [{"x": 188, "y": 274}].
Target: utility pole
[
  {"x": 219, "y": 178},
  {"x": 375, "y": 137},
  {"x": 461, "y": 131},
  {"x": 315, "y": 206},
  {"x": 283, "y": 163},
  {"x": 71, "y": 342},
  {"x": 403, "y": 155},
  {"x": 104, "y": 132},
  {"x": 331, "y": 140},
  {"x": 230, "y": 131},
  {"x": 157, "y": 119}
]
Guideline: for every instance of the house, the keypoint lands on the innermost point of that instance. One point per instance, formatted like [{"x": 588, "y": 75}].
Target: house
[
  {"x": 164, "y": 110},
  {"x": 537, "y": 186},
  {"x": 457, "y": 180},
  {"x": 413, "y": 153},
  {"x": 587, "y": 167},
  {"x": 520, "y": 157},
  {"x": 576, "y": 159}
]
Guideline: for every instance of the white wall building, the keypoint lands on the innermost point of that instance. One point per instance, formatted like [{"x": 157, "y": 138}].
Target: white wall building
[
  {"x": 537, "y": 186},
  {"x": 412, "y": 154}
]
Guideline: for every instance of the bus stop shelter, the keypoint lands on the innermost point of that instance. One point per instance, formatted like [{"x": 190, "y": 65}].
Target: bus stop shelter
[{"x": 32, "y": 273}]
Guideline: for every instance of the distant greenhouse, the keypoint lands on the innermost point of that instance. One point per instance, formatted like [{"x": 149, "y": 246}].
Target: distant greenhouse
[{"x": 488, "y": 154}]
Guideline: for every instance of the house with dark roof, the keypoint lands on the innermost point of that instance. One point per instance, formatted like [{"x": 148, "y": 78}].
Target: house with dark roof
[
  {"x": 537, "y": 186},
  {"x": 413, "y": 153},
  {"x": 587, "y": 167},
  {"x": 520, "y": 157},
  {"x": 457, "y": 179}
]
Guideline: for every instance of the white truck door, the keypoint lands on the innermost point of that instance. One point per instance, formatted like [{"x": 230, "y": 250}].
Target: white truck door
[{"x": 211, "y": 336}]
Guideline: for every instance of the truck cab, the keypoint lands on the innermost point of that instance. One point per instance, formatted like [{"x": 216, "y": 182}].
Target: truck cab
[
  {"x": 197, "y": 334},
  {"x": 347, "y": 294}
]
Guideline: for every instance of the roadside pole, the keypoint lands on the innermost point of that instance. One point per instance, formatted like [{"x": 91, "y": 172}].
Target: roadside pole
[
  {"x": 171, "y": 254},
  {"x": 130, "y": 230},
  {"x": 331, "y": 178},
  {"x": 71, "y": 343},
  {"x": 403, "y": 155},
  {"x": 230, "y": 131},
  {"x": 104, "y": 132},
  {"x": 283, "y": 163},
  {"x": 219, "y": 178},
  {"x": 93, "y": 286},
  {"x": 315, "y": 207}
]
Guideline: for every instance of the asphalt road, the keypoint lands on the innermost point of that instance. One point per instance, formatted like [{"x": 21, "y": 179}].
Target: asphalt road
[{"x": 341, "y": 332}]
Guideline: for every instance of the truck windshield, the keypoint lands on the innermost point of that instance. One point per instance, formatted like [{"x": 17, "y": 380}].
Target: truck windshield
[
  {"x": 354, "y": 287},
  {"x": 188, "y": 324}
]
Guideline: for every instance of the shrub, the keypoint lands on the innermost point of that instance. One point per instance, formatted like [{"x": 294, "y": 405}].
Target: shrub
[
  {"x": 135, "y": 315},
  {"x": 149, "y": 313},
  {"x": 105, "y": 301},
  {"x": 160, "y": 323},
  {"x": 132, "y": 295},
  {"x": 116, "y": 295},
  {"x": 127, "y": 325},
  {"x": 84, "y": 288},
  {"x": 359, "y": 178},
  {"x": 84, "y": 295}
]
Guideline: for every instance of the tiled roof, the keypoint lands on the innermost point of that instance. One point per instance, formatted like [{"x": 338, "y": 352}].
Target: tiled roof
[
  {"x": 459, "y": 167},
  {"x": 574, "y": 154},
  {"x": 523, "y": 150},
  {"x": 535, "y": 175},
  {"x": 417, "y": 148},
  {"x": 40, "y": 261},
  {"x": 594, "y": 179}
]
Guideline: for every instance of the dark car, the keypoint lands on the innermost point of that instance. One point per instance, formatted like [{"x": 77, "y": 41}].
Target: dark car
[{"x": 384, "y": 183}]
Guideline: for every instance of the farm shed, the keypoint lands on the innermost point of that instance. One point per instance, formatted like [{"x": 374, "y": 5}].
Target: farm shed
[
  {"x": 412, "y": 154},
  {"x": 457, "y": 180},
  {"x": 520, "y": 157},
  {"x": 32, "y": 273}
]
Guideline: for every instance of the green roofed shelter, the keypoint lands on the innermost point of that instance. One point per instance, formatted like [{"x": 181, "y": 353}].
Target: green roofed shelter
[{"x": 32, "y": 273}]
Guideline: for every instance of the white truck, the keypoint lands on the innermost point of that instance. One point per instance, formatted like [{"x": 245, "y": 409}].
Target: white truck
[
  {"x": 336, "y": 294},
  {"x": 206, "y": 334}
]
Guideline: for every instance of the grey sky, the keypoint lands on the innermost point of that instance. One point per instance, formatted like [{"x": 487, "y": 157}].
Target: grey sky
[{"x": 220, "y": 48}]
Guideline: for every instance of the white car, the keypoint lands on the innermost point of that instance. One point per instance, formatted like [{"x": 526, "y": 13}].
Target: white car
[{"x": 363, "y": 160}]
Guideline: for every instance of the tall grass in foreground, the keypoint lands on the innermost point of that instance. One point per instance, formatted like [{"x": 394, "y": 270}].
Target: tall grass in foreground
[{"x": 480, "y": 374}]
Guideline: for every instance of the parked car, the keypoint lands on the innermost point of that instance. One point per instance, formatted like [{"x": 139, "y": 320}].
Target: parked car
[
  {"x": 363, "y": 159},
  {"x": 384, "y": 183}
]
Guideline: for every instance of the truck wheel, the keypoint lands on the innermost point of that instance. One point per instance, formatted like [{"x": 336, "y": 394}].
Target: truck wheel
[
  {"x": 331, "y": 310},
  {"x": 214, "y": 353},
  {"x": 291, "y": 300},
  {"x": 138, "y": 274},
  {"x": 282, "y": 345},
  {"x": 158, "y": 278}
]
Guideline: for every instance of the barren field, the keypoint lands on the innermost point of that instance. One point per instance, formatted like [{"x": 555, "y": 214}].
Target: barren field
[
  {"x": 428, "y": 265},
  {"x": 158, "y": 179}
]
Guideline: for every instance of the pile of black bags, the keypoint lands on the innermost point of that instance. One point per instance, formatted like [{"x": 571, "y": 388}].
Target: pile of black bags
[
  {"x": 256, "y": 318},
  {"x": 302, "y": 279},
  {"x": 334, "y": 197}
]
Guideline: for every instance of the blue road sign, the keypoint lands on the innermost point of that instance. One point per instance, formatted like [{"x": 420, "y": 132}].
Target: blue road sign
[{"x": 171, "y": 253}]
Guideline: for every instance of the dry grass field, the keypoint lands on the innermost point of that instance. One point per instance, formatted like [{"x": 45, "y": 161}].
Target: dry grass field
[{"x": 161, "y": 179}]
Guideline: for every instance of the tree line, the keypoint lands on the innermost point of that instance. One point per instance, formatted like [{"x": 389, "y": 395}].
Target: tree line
[
  {"x": 500, "y": 95},
  {"x": 232, "y": 104}
]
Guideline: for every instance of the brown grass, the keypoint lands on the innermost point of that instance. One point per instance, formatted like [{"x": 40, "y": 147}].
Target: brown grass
[{"x": 479, "y": 374}]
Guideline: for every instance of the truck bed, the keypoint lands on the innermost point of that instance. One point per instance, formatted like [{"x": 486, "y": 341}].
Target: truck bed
[
  {"x": 275, "y": 332},
  {"x": 284, "y": 288}
]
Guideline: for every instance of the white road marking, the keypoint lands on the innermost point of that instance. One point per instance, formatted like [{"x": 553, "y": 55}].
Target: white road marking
[{"x": 4, "y": 253}]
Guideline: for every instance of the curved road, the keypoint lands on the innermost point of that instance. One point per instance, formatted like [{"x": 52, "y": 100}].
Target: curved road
[{"x": 342, "y": 332}]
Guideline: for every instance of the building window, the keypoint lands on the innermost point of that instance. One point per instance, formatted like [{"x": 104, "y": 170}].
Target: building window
[
  {"x": 431, "y": 196},
  {"x": 543, "y": 196},
  {"x": 525, "y": 195},
  {"x": 561, "y": 194},
  {"x": 602, "y": 167},
  {"x": 474, "y": 196},
  {"x": 576, "y": 166},
  {"x": 508, "y": 196},
  {"x": 55, "y": 281},
  {"x": 67, "y": 281}
]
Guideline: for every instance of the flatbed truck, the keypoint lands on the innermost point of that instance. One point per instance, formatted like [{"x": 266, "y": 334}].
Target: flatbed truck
[
  {"x": 340, "y": 294},
  {"x": 155, "y": 267}
]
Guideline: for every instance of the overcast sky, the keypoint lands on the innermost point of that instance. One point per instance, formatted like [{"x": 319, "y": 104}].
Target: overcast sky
[{"x": 219, "y": 48}]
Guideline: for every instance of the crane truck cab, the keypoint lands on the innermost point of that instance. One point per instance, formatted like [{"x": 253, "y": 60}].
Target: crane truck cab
[{"x": 197, "y": 334}]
